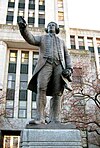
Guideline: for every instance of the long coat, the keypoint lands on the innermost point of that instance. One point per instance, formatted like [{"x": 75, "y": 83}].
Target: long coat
[{"x": 43, "y": 43}]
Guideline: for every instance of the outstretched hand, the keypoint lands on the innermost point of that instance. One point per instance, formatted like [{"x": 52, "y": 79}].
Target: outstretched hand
[{"x": 22, "y": 22}]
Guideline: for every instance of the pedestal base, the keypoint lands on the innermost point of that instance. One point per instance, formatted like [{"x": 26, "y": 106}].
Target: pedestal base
[{"x": 50, "y": 138}]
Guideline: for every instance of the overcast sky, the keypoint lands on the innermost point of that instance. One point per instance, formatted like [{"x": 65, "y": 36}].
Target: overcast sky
[{"x": 84, "y": 14}]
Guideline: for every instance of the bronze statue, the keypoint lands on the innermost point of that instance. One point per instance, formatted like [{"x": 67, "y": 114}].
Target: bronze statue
[{"x": 53, "y": 67}]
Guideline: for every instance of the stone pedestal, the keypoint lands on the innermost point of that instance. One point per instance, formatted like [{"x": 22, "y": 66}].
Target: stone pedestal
[{"x": 50, "y": 138}]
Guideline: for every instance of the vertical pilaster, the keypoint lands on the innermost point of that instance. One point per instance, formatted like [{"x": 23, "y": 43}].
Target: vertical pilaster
[
  {"x": 96, "y": 55},
  {"x": 1, "y": 139},
  {"x": 68, "y": 39},
  {"x": 3, "y": 11},
  {"x": 76, "y": 42},
  {"x": 50, "y": 11},
  {"x": 66, "y": 23},
  {"x": 85, "y": 42},
  {"x": 36, "y": 13},
  {"x": 3, "y": 55},
  {"x": 56, "y": 11},
  {"x": 17, "y": 84},
  {"x": 26, "y": 10},
  {"x": 29, "y": 99},
  {"x": 15, "y": 12}
]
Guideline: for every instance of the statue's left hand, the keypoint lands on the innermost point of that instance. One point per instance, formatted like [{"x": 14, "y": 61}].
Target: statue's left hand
[{"x": 67, "y": 74}]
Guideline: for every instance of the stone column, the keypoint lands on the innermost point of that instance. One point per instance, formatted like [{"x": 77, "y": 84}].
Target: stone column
[
  {"x": 36, "y": 13},
  {"x": 15, "y": 12},
  {"x": 76, "y": 42},
  {"x": 3, "y": 55},
  {"x": 17, "y": 84},
  {"x": 65, "y": 6},
  {"x": 66, "y": 23},
  {"x": 96, "y": 55},
  {"x": 26, "y": 10},
  {"x": 50, "y": 11},
  {"x": 3, "y": 11},
  {"x": 56, "y": 11},
  {"x": 85, "y": 43},
  {"x": 29, "y": 99}
]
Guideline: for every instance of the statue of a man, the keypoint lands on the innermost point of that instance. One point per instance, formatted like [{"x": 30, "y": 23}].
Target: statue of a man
[{"x": 54, "y": 63}]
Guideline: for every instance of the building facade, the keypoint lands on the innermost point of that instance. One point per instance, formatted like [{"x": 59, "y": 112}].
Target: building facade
[{"x": 18, "y": 58}]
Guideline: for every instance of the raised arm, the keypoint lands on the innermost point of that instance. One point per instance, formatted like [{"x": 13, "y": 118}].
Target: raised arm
[{"x": 33, "y": 40}]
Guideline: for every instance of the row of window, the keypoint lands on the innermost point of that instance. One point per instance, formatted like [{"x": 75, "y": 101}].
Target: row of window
[
  {"x": 31, "y": 12},
  {"x": 11, "y": 88},
  {"x": 81, "y": 43}
]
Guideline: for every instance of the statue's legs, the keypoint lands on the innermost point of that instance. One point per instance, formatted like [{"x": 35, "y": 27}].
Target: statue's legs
[
  {"x": 42, "y": 82},
  {"x": 55, "y": 109},
  {"x": 55, "y": 103},
  {"x": 41, "y": 103}
]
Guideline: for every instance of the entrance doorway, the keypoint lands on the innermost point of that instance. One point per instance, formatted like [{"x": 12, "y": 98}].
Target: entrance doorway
[{"x": 11, "y": 141}]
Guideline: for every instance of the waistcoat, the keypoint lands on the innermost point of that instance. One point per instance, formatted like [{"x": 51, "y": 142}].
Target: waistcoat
[{"x": 53, "y": 48}]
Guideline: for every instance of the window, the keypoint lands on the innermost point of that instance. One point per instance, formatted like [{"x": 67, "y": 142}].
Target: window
[
  {"x": 77, "y": 76},
  {"x": 11, "y": 4},
  {"x": 33, "y": 103},
  {"x": 11, "y": 80},
  {"x": 10, "y": 13},
  {"x": 61, "y": 27},
  {"x": 23, "y": 84},
  {"x": 42, "y": 7},
  {"x": 31, "y": 1},
  {"x": 35, "y": 58},
  {"x": 81, "y": 42},
  {"x": 60, "y": 16},
  {"x": 9, "y": 18},
  {"x": 41, "y": 18},
  {"x": 98, "y": 45},
  {"x": 31, "y": 18},
  {"x": 41, "y": 22},
  {"x": 21, "y": 4},
  {"x": 20, "y": 13},
  {"x": 41, "y": 2},
  {"x": 11, "y": 0},
  {"x": 72, "y": 41},
  {"x": 60, "y": 3},
  {"x": 10, "y": 94},
  {"x": 90, "y": 44},
  {"x": 24, "y": 63},
  {"x": 31, "y": 14},
  {"x": 9, "y": 108},
  {"x": 11, "y": 141},
  {"x": 11, "y": 83},
  {"x": 12, "y": 62},
  {"x": 32, "y": 4}
]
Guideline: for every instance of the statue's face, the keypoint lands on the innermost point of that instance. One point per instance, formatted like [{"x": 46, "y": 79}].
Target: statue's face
[{"x": 51, "y": 28}]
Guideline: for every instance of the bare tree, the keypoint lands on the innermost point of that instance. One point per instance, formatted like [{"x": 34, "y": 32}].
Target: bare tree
[{"x": 82, "y": 105}]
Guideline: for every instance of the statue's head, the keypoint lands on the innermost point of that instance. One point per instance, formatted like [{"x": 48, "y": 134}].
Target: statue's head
[{"x": 52, "y": 27}]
